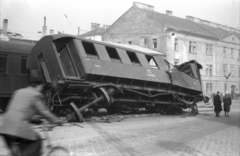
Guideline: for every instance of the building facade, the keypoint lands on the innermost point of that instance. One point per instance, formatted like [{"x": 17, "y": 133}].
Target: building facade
[{"x": 215, "y": 46}]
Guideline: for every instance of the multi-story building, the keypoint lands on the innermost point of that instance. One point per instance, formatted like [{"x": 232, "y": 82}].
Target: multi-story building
[
  {"x": 96, "y": 32},
  {"x": 215, "y": 46}
]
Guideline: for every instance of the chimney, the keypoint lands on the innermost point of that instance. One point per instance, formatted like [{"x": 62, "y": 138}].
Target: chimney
[
  {"x": 106, "y": 26},
  {"x": 94, "y": 26},
  {"x": 79, "y": 31},
  {"x": 44, "y": 27},
  {"x": 169, "y": 13},
  {"x": 5, "y": 25},
  {"x": 51, "y": 31}
]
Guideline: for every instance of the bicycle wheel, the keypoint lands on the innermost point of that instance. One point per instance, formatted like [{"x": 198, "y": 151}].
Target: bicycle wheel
[{"x": 58, "y": 151}]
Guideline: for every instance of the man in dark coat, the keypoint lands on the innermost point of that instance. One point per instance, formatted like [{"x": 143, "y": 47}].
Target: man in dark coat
[
  {"x": 227, "y": 101},
  {"x": 24, "y": 105},
  {"x": 217, "y": 104}
]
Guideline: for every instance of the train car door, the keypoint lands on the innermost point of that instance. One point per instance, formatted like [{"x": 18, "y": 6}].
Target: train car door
[{"x": 44, "y": 68}]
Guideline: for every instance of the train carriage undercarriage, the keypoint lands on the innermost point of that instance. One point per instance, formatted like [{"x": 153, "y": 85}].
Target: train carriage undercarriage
[{"x": 84, "y": 76}]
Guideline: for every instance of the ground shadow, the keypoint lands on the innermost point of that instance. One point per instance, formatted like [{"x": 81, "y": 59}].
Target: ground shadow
[{"x": 177, "y": 147}]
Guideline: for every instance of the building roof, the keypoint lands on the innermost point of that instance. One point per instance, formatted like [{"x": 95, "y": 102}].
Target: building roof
[
  {"x": 96, "y": 32},
  {"x": 15, "y": 47},
  {"x": 23, "y": 35},
  {"x": 126, "y": 47},
  {"x": 181, "y": 24}
]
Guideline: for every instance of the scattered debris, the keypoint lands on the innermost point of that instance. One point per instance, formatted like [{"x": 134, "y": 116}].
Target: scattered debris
[{"x": 108, "y": 118}]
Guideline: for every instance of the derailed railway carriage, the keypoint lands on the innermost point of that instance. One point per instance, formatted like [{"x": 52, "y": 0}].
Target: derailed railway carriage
[{"x": 85, "y": 75}]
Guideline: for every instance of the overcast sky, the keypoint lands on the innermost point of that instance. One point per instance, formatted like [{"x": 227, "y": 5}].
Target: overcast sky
[{"x": 28, "y": 15}]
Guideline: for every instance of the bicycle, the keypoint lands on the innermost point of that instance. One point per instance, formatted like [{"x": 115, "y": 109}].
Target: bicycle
[{"x": 47, "y": 150}]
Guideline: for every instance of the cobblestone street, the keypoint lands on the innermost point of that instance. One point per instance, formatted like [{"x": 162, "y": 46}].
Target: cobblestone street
[{"x": 158, "y": 135}]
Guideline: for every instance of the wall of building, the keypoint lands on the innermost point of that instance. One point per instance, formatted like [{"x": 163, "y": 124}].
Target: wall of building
[
  {"x": 217, "y": 80},
  {"x": 136, "y": 28}
]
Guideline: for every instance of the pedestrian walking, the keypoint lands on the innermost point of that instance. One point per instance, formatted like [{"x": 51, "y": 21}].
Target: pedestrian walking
[
  {"x": 227, "y": 101},
  {"x": 217, "y": 104}
]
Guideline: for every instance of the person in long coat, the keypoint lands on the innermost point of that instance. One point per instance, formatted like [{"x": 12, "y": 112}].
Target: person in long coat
[
  {"x": 217, "y": 104},
  {"x": 227, "y": 101},
  {"x": 24, "y": 105}
]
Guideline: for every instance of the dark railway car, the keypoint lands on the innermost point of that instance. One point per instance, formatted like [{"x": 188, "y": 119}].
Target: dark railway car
[
  {"x": 84, "y": 76},
  {"x": 13, "y": 72}
]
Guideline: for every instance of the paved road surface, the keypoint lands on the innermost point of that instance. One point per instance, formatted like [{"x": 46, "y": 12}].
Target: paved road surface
[{"x": 159, "y": 135}]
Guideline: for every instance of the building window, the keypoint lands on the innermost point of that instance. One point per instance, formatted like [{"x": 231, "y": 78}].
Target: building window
[
  {"x": 211, "y": 87},
  {"x": 3, "y": 63},
  {"x": 209, "y": 70},
  {"x": 239, "y": 55},
  {"x": 23, "y": 65},
  {"x": 207, "y": 87},
  {"x": 239, "y": 71},
  {"x": 224, "y": 52},
  {"x": 143, "y": 41},
  {"x": 232, "y": 53},
  {"x": 209, "y": 49},
  {"x": 129, "y": 42},
  {"x": 192, "y": 47},
  {"x": 176, "y": 44},
  {"x": 224, "y": 69},
  {"x": 154, "y": 41},
  {"x": 232, "y": 70}
]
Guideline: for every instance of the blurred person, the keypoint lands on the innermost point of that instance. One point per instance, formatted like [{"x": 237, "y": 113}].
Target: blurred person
[
  {"x": 217, "y": 104},
  {"x": 221, "y": 95},
  {"x": 227, "y": 101},
  {"x": 23, "y": 106}
]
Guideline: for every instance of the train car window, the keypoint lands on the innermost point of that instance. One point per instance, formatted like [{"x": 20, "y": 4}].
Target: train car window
[
  {"x": 67, "y": 61},
  {"x": 151, "y": 62},
  {"x": 90, "y": 49},
  {"x": 133, "y": 58},
  {"x": 112, "y": 52},
  {"x": 3, "y": 63},
  {"x": 23, "y": 65}
]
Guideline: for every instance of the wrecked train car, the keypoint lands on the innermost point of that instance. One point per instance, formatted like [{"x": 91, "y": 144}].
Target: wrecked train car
[
  {"x": 13, "y": 73},
  {"x": 85, "y": 75}
]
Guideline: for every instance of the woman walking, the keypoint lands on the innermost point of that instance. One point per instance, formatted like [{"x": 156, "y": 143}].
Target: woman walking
[{"x": 217, "y": 104}]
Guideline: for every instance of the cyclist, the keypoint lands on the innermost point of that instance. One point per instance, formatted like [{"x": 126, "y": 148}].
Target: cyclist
[{"x": 23, "y": 106}]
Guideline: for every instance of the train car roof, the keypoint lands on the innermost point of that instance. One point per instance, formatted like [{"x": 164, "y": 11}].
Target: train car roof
[
  {"x": 15, "y": 47},
  {"x": 111, "y": 44}
]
